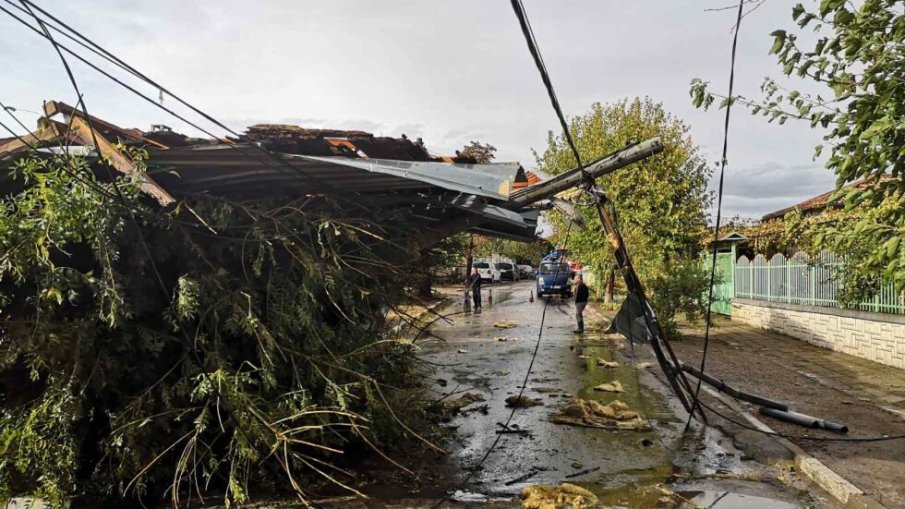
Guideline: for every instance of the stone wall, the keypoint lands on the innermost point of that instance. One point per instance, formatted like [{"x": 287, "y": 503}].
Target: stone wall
[{"x": 874, "y": 336}]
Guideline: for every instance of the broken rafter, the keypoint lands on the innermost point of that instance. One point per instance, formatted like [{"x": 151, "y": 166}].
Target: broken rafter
[
  {"x": 52, "y": 108},
  {"x": 117, "y": 160},
  {"x": 48, "y": 131}
]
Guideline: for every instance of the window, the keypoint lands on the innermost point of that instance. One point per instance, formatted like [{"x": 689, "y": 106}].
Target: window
[{"x": 550, "y": 268}]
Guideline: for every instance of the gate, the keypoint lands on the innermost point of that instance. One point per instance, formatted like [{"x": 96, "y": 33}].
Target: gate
[{"x": 724, "y": 289}]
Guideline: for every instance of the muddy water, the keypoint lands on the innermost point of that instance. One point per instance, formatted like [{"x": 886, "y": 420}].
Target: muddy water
[{"x": 623, "y": 468}]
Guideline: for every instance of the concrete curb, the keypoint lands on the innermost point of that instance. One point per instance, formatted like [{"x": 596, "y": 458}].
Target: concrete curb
[{"x": 849, "y": 495}]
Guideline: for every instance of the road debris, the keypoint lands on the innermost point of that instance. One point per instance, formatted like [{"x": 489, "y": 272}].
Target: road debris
[
  {"x": 555, "y": 497},
  {"x": 505, "y": 338},
  {"x": 523, "y": 401},
  {"x": 607, "y": 364},
  {"x": 505, "y": 324},
  {"x": 643, "y": 365},
  {"x": 512, "y": 429},
  {"x": 614, "y": 415},
  {"x": 462, "y": 350},
  {"x": 582, "y": 472},
  {"x": 452, "y": 406},
  {"x": 614, "y": 386},
  {"x": 522, "y": 478}
]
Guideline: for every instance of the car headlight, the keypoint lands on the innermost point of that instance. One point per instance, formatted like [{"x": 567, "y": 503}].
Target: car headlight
[{"x": 540, "y": 281}]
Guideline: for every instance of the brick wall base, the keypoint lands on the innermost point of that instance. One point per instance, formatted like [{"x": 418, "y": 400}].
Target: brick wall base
[{"x": 872, "y": 336}]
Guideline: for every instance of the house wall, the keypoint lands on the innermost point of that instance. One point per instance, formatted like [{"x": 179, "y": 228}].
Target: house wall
[{"x": 872, "y": 336}]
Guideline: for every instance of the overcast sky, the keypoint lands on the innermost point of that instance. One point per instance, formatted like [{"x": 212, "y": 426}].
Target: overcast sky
[{"x": 449, "y": 72}]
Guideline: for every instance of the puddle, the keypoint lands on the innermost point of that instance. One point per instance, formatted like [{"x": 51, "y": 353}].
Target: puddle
[{"x": 623, "y": 468}]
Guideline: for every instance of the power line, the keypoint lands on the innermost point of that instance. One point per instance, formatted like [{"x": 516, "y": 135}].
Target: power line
[
  {"x": 719, "y": 206},
  {"x": 143, "y": 242},
  {"x": 292, "y": 172},
  {"x": 527, "y": 31},
  {"x": 538, "y": 60}
]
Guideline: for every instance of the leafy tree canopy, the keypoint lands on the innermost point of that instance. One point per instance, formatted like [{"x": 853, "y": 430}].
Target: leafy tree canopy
[
  {"x": 854, "y": 53},
  {"x": 522, "y": 252},
  {"x": 661, "y": 201},
  {"x": 142, "y": 355},
  {"x": 481, "y": 152}
]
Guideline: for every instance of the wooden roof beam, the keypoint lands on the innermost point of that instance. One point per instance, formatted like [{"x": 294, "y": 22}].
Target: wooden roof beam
[
  {"x": 52, "y": 108},
  {"x": 121, "y": 163}
]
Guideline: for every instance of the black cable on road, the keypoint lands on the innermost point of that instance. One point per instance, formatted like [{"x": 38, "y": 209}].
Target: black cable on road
[
  {"x": 719, "y": 206},
  {"x": 545, "y": 77}
]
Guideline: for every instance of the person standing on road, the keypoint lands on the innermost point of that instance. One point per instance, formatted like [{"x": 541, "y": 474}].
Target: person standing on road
[
  {"x": 581, "y": 301},
  {"x": 474, "y": 283}
]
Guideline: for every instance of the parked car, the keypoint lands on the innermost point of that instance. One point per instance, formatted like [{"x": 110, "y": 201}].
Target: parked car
[
  {"x": 554, "y": 278},
  {"x": 526, "y": 271},
  {"x": 507, "y": 271},
  {"x": 487, "y": 272}
]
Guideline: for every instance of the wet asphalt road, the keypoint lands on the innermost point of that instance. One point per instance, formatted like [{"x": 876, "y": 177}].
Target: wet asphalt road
[{"x": 623, "y": 468}]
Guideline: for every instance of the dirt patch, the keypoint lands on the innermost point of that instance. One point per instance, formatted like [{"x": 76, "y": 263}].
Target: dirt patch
[
  {"x": 505, "y": 338},
  {"x": 505, "y": 324},
  {"x": 557, "y": 497},
  {"x": 614, "y": 415},
  {"x": 453, "y": 406},
  {"x": 614, "y": 386},
  {"x": 607, "y": 364},
  {"x": 522, "y": 401}
]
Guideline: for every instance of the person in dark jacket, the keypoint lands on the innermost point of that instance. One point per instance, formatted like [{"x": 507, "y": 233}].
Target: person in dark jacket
[
  {"x": 581, "y": 301},
  {"x": 474, "y": 283}
]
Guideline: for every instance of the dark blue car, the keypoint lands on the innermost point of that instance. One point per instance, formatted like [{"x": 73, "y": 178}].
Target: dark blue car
[{"x": 554, "y": 278}]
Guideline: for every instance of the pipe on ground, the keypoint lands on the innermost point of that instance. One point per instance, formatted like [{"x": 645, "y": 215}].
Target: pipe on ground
[
  {"x": 721, "y": 386},
  {"x": 804, "y": 420}
]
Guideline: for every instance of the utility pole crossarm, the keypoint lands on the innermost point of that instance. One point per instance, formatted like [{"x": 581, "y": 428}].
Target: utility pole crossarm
[{"x": 574, "y": 177}]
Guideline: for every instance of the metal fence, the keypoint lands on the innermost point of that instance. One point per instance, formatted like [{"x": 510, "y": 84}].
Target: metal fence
[{"x": 800, "y": 280}]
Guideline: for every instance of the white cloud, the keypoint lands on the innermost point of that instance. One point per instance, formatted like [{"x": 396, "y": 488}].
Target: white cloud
[{"x": 449, "y": 72}]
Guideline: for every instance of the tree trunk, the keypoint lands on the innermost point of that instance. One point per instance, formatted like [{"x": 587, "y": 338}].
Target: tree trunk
[
  {"x": 425, "y": 287},
  {"x": 610, "y": 287}
]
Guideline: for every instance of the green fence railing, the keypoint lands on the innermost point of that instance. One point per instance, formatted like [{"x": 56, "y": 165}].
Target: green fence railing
[{"x": 800, "y": 280}]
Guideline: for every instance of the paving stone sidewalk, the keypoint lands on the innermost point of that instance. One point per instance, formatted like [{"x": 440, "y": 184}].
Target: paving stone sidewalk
[{"x": 866, "y": 396}]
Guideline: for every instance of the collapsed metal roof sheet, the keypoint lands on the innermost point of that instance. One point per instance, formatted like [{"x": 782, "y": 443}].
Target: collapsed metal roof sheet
[
  {"x": 488, "y": 180},
  {"x": 246, "y": 170},
  {"x": 271, "y": 161}
]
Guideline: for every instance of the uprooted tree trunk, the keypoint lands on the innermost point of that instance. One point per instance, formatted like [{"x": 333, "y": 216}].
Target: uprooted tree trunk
[{"x": 163, "y": 355}]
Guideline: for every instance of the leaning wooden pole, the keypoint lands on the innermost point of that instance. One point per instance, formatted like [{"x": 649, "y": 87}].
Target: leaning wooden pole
[
  {"x": 574, "y": 177},
  {"x": 659, "y": 342}
]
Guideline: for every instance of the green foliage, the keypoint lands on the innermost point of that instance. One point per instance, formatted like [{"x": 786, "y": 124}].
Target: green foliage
[
  {"x": 481, "y": 152},
  {"x": 661, "y": 201},
  {"x": 144, "y": 353},
  {"x": 528, "y": 253},
  {"x": 856, "y": 54},
  {"x": 680, "y": 288}
]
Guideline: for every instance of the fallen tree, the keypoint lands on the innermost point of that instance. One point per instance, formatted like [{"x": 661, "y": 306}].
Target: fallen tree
[{"x": 214, "y": 348}]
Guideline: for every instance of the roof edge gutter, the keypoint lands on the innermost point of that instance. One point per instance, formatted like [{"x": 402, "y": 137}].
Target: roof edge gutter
[{"x": 574, "y": 177}]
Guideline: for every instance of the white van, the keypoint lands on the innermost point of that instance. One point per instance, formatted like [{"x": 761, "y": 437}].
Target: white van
[{"x": 487, "y": 271}]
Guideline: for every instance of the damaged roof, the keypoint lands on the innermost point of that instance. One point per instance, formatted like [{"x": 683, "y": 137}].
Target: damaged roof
[{"x": 276, "y": 160}]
